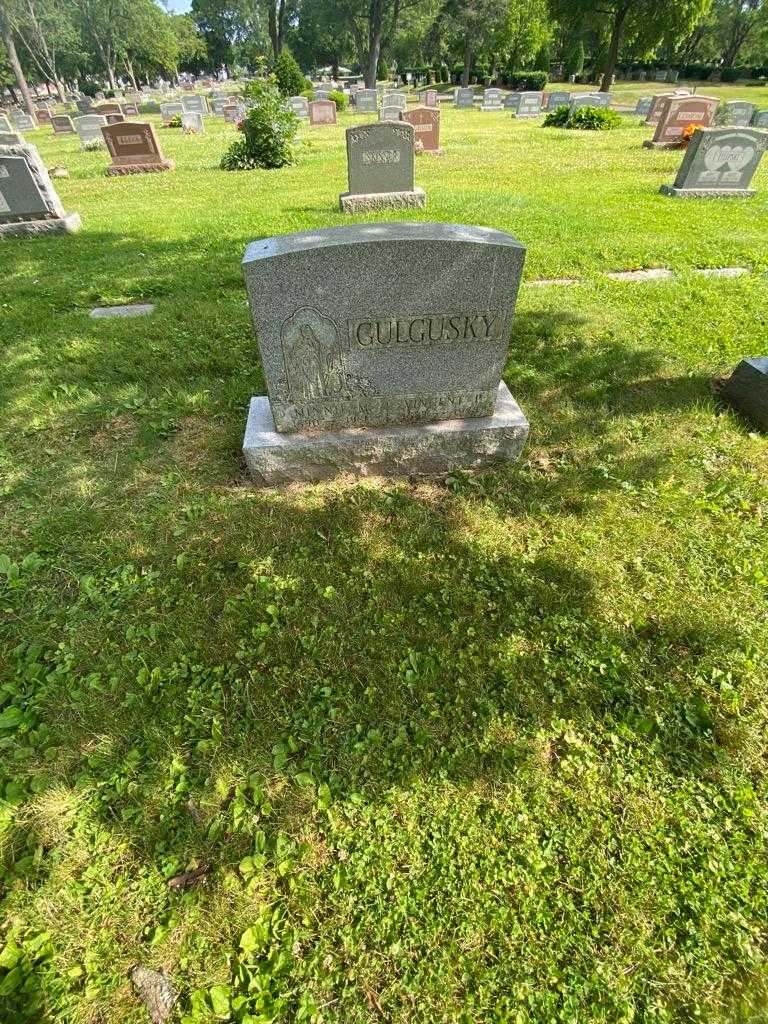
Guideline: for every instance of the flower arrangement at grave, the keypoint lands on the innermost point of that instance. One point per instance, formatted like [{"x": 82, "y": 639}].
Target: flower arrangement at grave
[
  {"x": 687, "y": 135},
  {"x": 174, "y": 122}
]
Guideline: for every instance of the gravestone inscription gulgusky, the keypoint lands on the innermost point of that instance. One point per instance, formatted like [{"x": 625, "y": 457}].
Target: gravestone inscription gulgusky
[{"x": 382, "y": 346}]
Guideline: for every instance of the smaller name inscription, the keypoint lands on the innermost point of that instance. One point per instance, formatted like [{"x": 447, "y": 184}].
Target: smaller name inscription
[
  {"x": 129, "y": 140},
  {"x": 382, "y": 156}
]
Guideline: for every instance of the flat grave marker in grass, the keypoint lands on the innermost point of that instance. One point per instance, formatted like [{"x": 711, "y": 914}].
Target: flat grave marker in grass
[
  {"x": 380, "y": 168},
  {"x": 134, "y": 309},
  {"x": 134, "y": 149},
  {"x": 719, "y": 163},
  {"x": 676, "y": 113},
  {"x": 29, "y": 204},
  {"x": 371, "y": 338}
]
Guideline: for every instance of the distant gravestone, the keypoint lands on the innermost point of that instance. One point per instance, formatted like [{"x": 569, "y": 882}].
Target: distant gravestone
[
  {"x": 656, "y": 104},
  {"x": 62, "y": 124},
  {"x": 530, "y": 104},
  {"x": 321, "y": 94},
  {"x": 218, "y": 103},
  {"x": 43, "y": 115},
  {"x": 85, "y": 104},
  {"x": 194, "y": 104},
  {"x": 677, "y": 112},
  {"x": 382, "y": 328},
  {"x": 600, "y": 99},
  {"x": 581, "y": 100},
  {"x": 108, "y": 108},
  {"x": 660, "y": 76},
  {"x": 192, "y": 123},
  {"x": 747, "y": 390},
  {"x": 492, "y": 100},
  {"x": 23, "y": 121},
  {"x": 380, "y": 168},
  {"x": 512, "y": 102},
  {"x": 426, "y": 128},
  {"x": 88, "y": 127},
  {"x": 168, "y": 111},
  {"x": 11, "y": 139},
  {"x": 719, "y": 163},
  {"x": 5, "y": 124},
  {"x": 760, "y": 119},
  {"x": 322, "y": 112},
  {"x": 558, "y": 99},
  {"x": 134, "y": 149},
  {"x": 394, "y": 99},
  {"x": 643, "y": 106},
  {"x": 366, "y": 101},
  {"x": 130, "y": 110},
  {"x": 430, "y": 98},
  {"x": 115, "y": 118},
  {"x": 465, "y": 99},
  {"x": 389, "y": 113},
  {"x": 233, "y": 112},
  {"x": 739, "y": 112},
  {"x": 299, "y": 105},
  {"x": 29, "y": 204}
]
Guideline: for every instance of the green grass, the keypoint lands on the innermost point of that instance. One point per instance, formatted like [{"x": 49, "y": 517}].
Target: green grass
[{"x": 491, "y": 748}]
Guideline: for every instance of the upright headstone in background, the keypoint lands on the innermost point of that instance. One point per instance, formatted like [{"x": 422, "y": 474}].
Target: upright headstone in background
[
  {"x": 389, "y": 113},
  {"x": 168, "y": 111},
  {"x": 465, "y": 99},
  {"x": 747, "y": 390},
  {"x": 85, "y": 104},
  {"x": 380, "y": 168},
  {"x": 194, "y": 104},
  {"x": 23, "y": 121},
  {"x": 134, "y": 149},
  {"x": 108, "y": 108},
  {"x": 233, "y": 112},
  {"x": 657, "y": 102},
  {"x": 430, "y": 98},
  {"x": 382, "y": 328},
  {"x": 492, "y": 100},
  {"x": 29, "y": 204},
  {"x": 43, "y": 115},
  {"x": 192, "y": 123},
  {"x": 426, "y": 127},
  {"x": 88, "y": 127},
  {"x": 394, "y": 99},
  {"x": 677, "y": 112},
  {"x": 62, "y": 124},
  {"x": 530, "y": 104},
  {"x": 643, "y": 106},
  {"x": 299, "y": 105},
  {"x": 719, "y": 163},
  {"x": 739, "y": 112},
  {"x": 558, "y": 99},
  {"x": 322, "y": 112},
  {"x": 760, "y": 120},
  {"x": 580, "y": 100},
  {"x": 5, "y": 124},
  {"x": 115, "y": 118},
  {"x": 366, "y": 101},
  {"x": 512, "y": 102},
  {"x": 130, "y": 110}
]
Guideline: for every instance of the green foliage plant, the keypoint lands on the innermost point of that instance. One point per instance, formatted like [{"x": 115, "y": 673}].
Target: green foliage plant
[{"x": 268, "y": 131}]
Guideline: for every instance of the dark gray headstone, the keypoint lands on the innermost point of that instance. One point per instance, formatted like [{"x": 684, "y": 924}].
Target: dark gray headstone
[
  {"x": 747, "y": 390},
  {"x": 299, "y": 105},
  {"x": 29, "y": 203},
  {"x": 530, "y": 104},
  {"x": 366, "y": 101},
  {"x": 719, "y": 162},
  {"x": 760, "y": 120},
  {"x": 465, "y": 98},
  {"x": 643, "y": 106},
  {"x": 380, "y": 158},
  {"x": 512, "y": 101},
  {"x": 558, "y": 99},
  {"x": 739, "y": 112},
  {"x": 493, "y": 99}
]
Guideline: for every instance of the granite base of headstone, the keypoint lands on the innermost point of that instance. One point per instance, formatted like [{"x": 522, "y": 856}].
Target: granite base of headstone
[
  {"x": 29, "y": 204},
  {"x": 380, "y": 166},
  {"x": 747, "y": 390},
  {"x": 382, "y": 347}
]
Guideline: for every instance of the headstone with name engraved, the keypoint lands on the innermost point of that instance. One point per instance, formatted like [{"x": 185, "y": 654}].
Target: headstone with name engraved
[
  {"x": 493, "y": 100},
  {"x": 11, "y": 139},
  {"x": 677, "y": 113},
  {"x": 195, "y": 104},
  {"x": 299, "y": 105},
  {"x": 600, "y": 99},
  {"x": 29, "y": 204},
  {"x": 43, "y": 115},
  {"x": 465, "y": 99},
  {"x": 719, "y": 163},
  {"x": 134, "y": 149},
  {"x": 321, "y": 94},
  {"x": 322, "y": 112},
  {"x": 130, "y": 110},
  {"x": 739, "y": 112},
  {"x": 62, "y": 124},
  {"x": 394, "y": 99},
  {"x": 380, "y": 168},
  {"x": 233, "y": 112},
  {"x": 530, "y": 104},
  {"x": 426, "y": 128},
  {"x": 85, "y": 104},
  {"x": 5, "y": 124},
  {"x": 217, "y": 105},
  {"x": 512, "y": 102},
  {"x": 558, "y": 99},
  {"x": 429, "y": 98},
  {"x": 747, "y": 390},
  {"x": 760, "y": 119},
  {"x": 108, "y": 108},
  {"x": 657, "y": 102},
  {"x": 88, "y": 128},
  {"x": 192, "y": 123},
  {"x": 23, "y": 121},
  {"x": 643, "y": 106},
  {"x": 366, "y": 101},
  {"x": 168, "y": 111},
  {"x": 389, "y": 113},
  {"x": 382, "y": 347}
]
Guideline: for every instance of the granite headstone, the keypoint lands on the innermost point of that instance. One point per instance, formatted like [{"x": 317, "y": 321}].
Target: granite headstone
[
  {"x": 322, "y": 112},
  {"x": 747, "y": 390},
  {"x": 29, "y": 204},
  {"x": 299, "y": 105},
  {"x": 676, "y": 114},
  {"x": 465, "y": 99},
  {"x": 380, "y": 168},
  {"x": 88, "y": 127},
  {"x": 134, "y": 149},
  {"x": 426, "y": 127},
  {"x": 719, "y": 163}
]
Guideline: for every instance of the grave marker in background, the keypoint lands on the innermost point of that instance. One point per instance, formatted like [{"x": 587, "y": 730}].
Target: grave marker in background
[
  {"x": 465, "y": 99},
  {"x": 426, "y": 127},
  {"x": 62, "y": 124},
  {"x": 676, "y": 113},
  {"x": 366, "y": 101},
  {"x": 168, "y": 111},
  {"x": 719, "y": 163},
  {"x": 530, "y": 104},
  {"x": 322, "y": 112},
  {"x": 558, "y": 99},
  {"x": 739, "y": 112},
  {"x": 192, "y": 123},
  {"x": 492, "y": 100},
  {"x": 88, "y": 127},
  {"x": 390, "y": 113},
  {"x": 134, "y": 149},
  {"x": 299, "y": 105},
  {"x": 380, "y": 168}
]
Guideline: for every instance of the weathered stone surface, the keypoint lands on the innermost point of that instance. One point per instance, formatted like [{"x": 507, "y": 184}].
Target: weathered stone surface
[
  {"x": 170, "y": 110},
  {"x": 530, "y": 104},
  {"x": 719, "y": 163},
  {"x": 29, "y": 204},
  {"x": 108, "y": 108},
  {"x": 413, "y": 199},
  {"x": 747, "y": 390},
  {"x": 62, "y": 124},
  {"x": 465, "y": 98},
  {"x": 366, "y": 101},
  {"x": 389, "y": 113},
  {"x": 192, "y": 123},
  {"x": 136, "y": 309},
  {"x": 380, "y": 167},
  {"x": 382, "y": 324},
  {"x": 134, "y": 149},
  {"x": 558, "y": 99},
  {"x": 760, "y": 119},
  {"x": 394, "y": 99},
  {"x": 739, "y": 112},
  {"x": 88, "y": 127},
  {"x": 156, "y": 990},
  {"x": 512, "y": 101},
  {"x": 299, "y": 105},
  {"x": 426, "y": 127},
  {"x": 322, "y": 112},
  {"x": 676, "y": 113},
  {"x": 653, "y": 274},
  {"x": 23, "y": 121},
  {"x": 493, "y": 99},
  {"x": 5, "y": 124},
  {"x": 195, "y": 104},
  {"x": 11, "y": 139},
  {"x": 419, "y": 450},
  {"x": 643, "y": 107}
]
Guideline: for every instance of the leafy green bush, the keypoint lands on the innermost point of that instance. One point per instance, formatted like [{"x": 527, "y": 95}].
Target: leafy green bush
[
  {"x": 574, "y": 60},
  {"x": 290, "y": 80},
  {"x": 584, "y": 118},
  {"x": 339, "y": 98},
  {"x": 527, "y": 81},
  {"x": 268, "y": 130},
  {"x": 175, "y": 121}
]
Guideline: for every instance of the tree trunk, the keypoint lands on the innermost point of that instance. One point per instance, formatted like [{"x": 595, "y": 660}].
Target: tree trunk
[
  {"x": 467, "y": 60},
  {"x": 13, "y": 60},
  {"x": 613, "y": 49},
  {"x": 374, "y": 42}
]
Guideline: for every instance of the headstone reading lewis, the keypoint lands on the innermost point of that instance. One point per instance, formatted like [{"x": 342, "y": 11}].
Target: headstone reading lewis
[{"x": 134, "y": 149}]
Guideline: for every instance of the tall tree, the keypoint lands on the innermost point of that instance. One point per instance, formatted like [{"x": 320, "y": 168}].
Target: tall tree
[
  {"x": 222, "y": 23},
  {"x": 474, "y": 21},
  {"x": 372, "y": 24},
  {"x": 47, "y": 33},
  {"x": 278, "y": 13},
  {"x": 191, "y": 54},
  {"x": 650, "y": 19},
  {"x": 6, "y": 32},
  {"x": 738, "y": 22}
]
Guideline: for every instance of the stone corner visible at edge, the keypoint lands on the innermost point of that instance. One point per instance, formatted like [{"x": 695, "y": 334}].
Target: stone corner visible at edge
[
  {"x": 708, "y": 193},
  {"x": 419, "y": 450},
  {"x": 366, "y": 202},
  {"x": 65, "y": 225}
]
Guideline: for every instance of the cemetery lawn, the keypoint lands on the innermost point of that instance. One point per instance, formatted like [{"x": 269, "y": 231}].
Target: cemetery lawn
[{"x": 491, "y": 748}]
